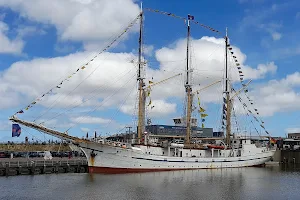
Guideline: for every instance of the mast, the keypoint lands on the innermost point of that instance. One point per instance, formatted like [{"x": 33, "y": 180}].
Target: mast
[
  {"x": 227, "y": 92},
  {"x": 141, "y": 84},
  {"x": 188, "y": 87}
]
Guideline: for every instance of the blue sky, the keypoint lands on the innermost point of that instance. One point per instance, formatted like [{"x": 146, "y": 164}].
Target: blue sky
[{"x": 43, "y": 43}]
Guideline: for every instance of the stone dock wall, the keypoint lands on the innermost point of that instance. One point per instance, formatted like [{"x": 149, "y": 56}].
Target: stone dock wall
[{"x": 24, "y": 166}]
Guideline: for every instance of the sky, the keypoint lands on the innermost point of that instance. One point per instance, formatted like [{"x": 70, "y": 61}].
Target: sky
[{"x": 42, "y": 44}]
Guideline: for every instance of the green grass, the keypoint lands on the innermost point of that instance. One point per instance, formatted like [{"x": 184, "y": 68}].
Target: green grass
[{"x": 31, "y": 147}]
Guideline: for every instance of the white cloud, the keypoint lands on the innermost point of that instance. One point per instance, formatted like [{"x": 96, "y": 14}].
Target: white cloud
[
  {"x": 24, "y": 31},
  {"x": 148, "y": 50},
  {"x": 84, "y": 129},
  {"x": 274, "y": 7},
  {"x": 159, "y": 108},
  {"x": 162, "y": 108},
  {"x": 5, "y": 125},
  {"x": 64, "y": 48},
  {"x": 276, "y": 36},
  {"x": 272, "y": 29},
  {"x": 10, "y": 46},
  {"x": 90, "y": 120},
  {"x": 207, "y": 63},
  {"x": 78, "y": 20},
  {"x": 54, "y": 123},
  {"x": 259, "y": 19},
  {"x": 113, "y": 83},
  {"x": 292, "y": 130},
  {"x": 277, "y": 95},
  {"x": 48, "y": 72}
]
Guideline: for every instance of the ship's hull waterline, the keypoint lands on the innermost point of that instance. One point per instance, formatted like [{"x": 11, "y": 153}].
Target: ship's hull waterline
[{"x": 116, "y": 160}]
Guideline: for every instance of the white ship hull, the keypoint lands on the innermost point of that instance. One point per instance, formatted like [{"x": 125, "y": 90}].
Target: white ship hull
[{"x": 109, "y": 159}]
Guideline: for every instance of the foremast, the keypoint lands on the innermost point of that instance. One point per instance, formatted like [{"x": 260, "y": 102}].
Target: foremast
[
  {"x": 227, "y": 93},
  {"x": 141, "y": 84},
  {"x": 188, "y": 86}
]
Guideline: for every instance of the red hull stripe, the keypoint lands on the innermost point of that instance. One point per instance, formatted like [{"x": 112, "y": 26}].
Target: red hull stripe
[{"x": 111, "y": 170}]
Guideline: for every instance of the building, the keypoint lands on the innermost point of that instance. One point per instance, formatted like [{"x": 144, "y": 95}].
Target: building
[
  {"x": 178, "y": 131},
  {"x": 294, "y": 135},
  {"x": 218, "y": 134}
]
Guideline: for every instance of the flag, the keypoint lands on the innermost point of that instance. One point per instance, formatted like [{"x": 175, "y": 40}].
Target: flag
[
  {"x": 272, "y": 140},
  {"x": 224, "y": 107},
  {"x": 203, "y": 115},
  {"x": 190, "y": 17},
  {"x": 150, "y": 102},
  {"x": 16, "y": 130},
  {"x": 202, "y": 109}
]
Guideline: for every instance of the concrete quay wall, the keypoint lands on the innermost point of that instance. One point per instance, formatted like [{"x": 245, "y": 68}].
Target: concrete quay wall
[{"x": 24, "y": 166}]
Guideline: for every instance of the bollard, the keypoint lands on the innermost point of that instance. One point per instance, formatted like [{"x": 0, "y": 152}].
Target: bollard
[
  {"x": 32, "y": 167},
  {"x": 6, "y": 169}
]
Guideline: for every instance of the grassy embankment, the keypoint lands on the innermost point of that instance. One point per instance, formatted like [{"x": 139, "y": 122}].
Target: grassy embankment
[{"x": 35, "y": 147}]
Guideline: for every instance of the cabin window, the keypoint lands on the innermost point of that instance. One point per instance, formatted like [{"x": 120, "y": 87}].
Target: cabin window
[
  {"x": 234, "y": 141},
  {"x": 200, "y": 154},
  {"x": 163, "y": 152}
]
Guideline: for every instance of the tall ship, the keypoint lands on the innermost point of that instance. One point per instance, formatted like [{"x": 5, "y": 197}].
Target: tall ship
[{"x": 148, "y": 154}]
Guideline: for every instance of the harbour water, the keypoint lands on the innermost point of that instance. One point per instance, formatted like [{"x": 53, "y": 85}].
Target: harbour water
[{"x": 244, "y": 183}]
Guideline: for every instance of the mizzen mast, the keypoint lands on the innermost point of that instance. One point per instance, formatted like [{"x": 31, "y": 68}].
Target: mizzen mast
[
  {"x": 188, "y": 87},
  {"x": 227, "y": 93},
  {"x": 141, "y": 84}
]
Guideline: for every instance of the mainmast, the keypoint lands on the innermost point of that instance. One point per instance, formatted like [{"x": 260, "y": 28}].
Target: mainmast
[
  {"x": 141, "y": 84},
  {"x": 227, "y": 92},
  {"x": 188, "y": 87}
]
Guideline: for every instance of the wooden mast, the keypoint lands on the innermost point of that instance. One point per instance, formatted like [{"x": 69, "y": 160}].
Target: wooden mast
[
  {"x": 188, "y": 87},
  {"x": 141, "y": 84},
  {"x": 227, "y": 92}
]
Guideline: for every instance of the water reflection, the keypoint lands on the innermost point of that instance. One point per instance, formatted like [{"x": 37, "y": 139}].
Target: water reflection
[{"x": 243, "y": 183}]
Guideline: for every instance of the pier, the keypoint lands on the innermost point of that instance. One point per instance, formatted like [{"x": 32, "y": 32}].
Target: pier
[{"x": 24, "y": 166}]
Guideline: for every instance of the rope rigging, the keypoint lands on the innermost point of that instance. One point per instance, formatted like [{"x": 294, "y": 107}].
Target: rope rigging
[
  {"x": 79, "y": 69},
  {"x": 103, "y": 102},
  {"x": 87, "y": 99},
  {"x": 86, "y": 65},
  {"x": 183, "y": 18},
  {"x": 242, "y": 77}
]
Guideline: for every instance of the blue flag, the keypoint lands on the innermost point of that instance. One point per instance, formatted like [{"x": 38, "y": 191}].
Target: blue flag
[
  {"x": 16, "y": 130},
  {"x": 190, "y": 17}
]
